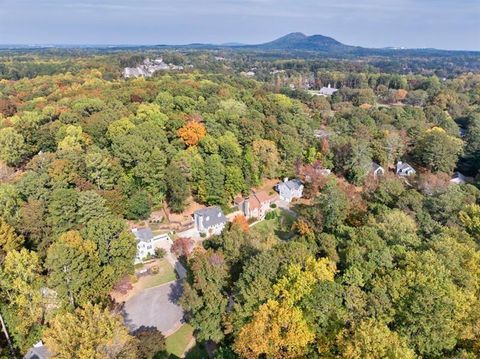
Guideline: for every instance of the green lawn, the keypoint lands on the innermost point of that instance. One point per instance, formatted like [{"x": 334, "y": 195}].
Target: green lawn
[
  {"x": 178, "y": 341},
  {"x": 279, "y": 226},
  {"x": 165, "y": 274}
]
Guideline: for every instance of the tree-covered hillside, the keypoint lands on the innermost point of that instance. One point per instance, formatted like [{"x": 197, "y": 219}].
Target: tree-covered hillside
[{"x": 374, "y": 266}]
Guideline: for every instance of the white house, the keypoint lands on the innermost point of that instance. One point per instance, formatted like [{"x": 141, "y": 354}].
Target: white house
[
  {"x": 377, "y": 170},
  {"x": 403, "y": 169},
  {"x": 210, "y": 220},
  {"x": 290, "y": 189},
  {"x": 147, "y": 243}
]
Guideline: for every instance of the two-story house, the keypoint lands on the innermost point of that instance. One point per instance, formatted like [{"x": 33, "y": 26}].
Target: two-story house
[
  {"x": 147, "y": 243},
  {"x": 290, "y": 189},
  {"x": 210, "y": 220}
]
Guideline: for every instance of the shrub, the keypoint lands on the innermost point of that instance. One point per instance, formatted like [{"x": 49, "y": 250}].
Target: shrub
[{"x": 160, "y": 252}]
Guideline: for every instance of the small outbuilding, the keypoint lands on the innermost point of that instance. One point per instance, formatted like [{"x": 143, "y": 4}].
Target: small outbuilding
[
  {"x": 459, "y": 178},
  {"x": 403, "y": 169},
  {"x": 38, "y": 351},
  {"x": 377, "y": 170}
]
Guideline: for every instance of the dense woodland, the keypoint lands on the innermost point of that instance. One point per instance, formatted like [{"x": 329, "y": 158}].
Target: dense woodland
[{"x": 378, "y": 268}]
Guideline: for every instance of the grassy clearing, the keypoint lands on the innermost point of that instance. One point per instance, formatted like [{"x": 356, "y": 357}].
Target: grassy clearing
[
  {"x": 165, "y": 274},
  {"x": 280, "y": 226},
  {"x": 178, "y": 341}
]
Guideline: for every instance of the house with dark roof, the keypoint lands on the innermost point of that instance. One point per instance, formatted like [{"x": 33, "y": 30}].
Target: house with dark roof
[
  {"x": 290, "y": 189},
  {"x": 256, "y": 205},
  {"x": 147, "y": 243},
  {"x": 377, "y": 170},
  {"x": 210, "y": 220},
  {"x": 38, "y": 351},
  {"x": 403, "y": 169}
]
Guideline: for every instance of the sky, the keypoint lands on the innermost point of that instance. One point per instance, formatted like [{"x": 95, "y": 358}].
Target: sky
[{"x": 444, "y": 24}]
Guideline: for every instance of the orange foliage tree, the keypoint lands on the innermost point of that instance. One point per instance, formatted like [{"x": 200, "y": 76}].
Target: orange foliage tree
[
  {"x": 242, "y": 222},
  {"x": 192, "y": 133}
]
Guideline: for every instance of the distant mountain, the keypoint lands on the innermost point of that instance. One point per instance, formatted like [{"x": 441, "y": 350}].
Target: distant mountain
[
  {"x": 295, "y": 43},
  {"x": 303, "y": 45},
  {"x": 301, "y": 42}
]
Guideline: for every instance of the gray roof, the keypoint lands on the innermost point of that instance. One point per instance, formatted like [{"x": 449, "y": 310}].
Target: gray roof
[
  {"x": 329, "y": 91},
  {"x": 38, "y": 352},
  {"x": 143, "y": 234},
  {"x": 403, "y": 166},
  {"x": 292, "y": 185},
  {"x": 376, "y": 166},
  {"x": 211, "y": 216}
]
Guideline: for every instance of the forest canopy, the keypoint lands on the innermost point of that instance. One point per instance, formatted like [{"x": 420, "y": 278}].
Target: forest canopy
[{"x": 375, "y": 266}]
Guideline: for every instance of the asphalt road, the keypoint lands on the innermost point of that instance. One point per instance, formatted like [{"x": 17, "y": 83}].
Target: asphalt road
[{"x": 156, "y": 307}]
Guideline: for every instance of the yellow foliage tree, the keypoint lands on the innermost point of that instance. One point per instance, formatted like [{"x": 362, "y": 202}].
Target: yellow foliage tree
[
  {"x": 470, "y": 218},
  {"x": 277, "y": 330},
  {"x": 299, "y": 281},
  {"x": 88, "y": 333},
  {"x": 20, "y": 282},
  {"x": 371, "y": 340},
  {"x": 9, "y": 240}
]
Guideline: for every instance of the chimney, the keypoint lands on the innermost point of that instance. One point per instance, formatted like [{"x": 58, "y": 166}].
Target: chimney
[
  {"x": 246, "y": 207},
  {"x": 285, "y": 179}
]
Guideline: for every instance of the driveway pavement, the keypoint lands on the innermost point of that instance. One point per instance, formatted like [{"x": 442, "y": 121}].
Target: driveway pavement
[{"x": 156, "y": 307}]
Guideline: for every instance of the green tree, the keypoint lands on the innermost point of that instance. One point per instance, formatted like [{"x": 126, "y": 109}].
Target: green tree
[
  {"x": 62, "y": 209},
  {"x": 102, "y": 169},
  {"x": 438, "y": 151},
  {"x": 138, "y": 206},
  {"x": 12, "y": 146},
  {"x": 430, "y": 306},
  {"x": 115, "y": 244},
  {"x": 177, "y": 189},
  {"x": 214, "y": 180},
  {"x": 74, "y": 269},
  {"x": 91, "y": 206},
  {"x": 266, "y": 158},
  {"x": 234, "y": 181},
  {"x": 333, "y": 205},
  {"x": 150, "y": 342},
  {"x": 203, "y": 297}
]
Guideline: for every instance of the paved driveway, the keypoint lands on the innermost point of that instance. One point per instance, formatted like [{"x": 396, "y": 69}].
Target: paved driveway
[{"x": 156, "y": 307}]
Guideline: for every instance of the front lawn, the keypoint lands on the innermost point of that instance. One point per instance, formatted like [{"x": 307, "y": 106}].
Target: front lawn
[
  {"x": 178, "y": 341},
  {"x": 165, "y": 274},
  {"x": 280, "y": 226}
]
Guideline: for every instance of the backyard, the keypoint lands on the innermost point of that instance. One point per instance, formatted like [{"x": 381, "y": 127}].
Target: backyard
[
  {"x": 280, "y": 226},
  {"x": 165, "y": 274},
  {"x": 157, "y": 272}
]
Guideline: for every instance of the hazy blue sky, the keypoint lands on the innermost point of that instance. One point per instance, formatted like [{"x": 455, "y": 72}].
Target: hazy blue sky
[{"x": 452, "y": 24}]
